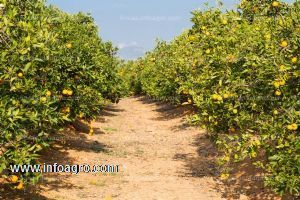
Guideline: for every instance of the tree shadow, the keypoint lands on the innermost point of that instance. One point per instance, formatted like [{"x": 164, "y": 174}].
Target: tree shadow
[
  {"x": 8, "y": 193},
  {"x": 110, "y": 111},
  {"x": 204, "y": 163},
  {"x": 113, "y": 108},
  {"x": 106, "y": 113},
  {"x": 68, "y": 139},
  {"x": 58, "y": 153},
  {"x": 245, "y": 178},
  {"x": 98, "y": 131},
  {"x": 74, "y": 140},
  {"x": 168, "y": 111}
]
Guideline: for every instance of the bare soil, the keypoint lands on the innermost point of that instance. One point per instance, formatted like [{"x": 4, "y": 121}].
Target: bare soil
[{"x": 160, "y": 157}]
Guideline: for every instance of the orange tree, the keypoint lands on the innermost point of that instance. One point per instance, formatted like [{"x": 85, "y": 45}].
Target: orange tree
[
  {"x": 241, "y": 70},
  {"x": 54, "y": 68}
]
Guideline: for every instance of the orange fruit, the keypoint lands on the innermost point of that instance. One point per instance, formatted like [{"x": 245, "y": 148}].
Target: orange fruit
[
  {"x": 48, "y": 93},
  {"x": 292, "y": 127},
  {"x": 281, "y": 82},
  {"x": 20, "y": 186},
  {"x": 284, "y": 44},
  {"x": 66, "y": 110},
  {"x": 226, "y": 96},
  {"x": 294, "y": 60},
  {"x": 91, "y": 132},
  {"x": 275, "y": 4},
  {"x": 81, "y": 115},
  {"x": 278, "y": 93},
  {"x": 43, "y": 99},
  {"x": 65, "y": 92},
  {"x": 69, "y": 45},
  {"x": 224, "y": 176},
  {"x": 70, "y": 92},
  {"x": 276, "y": 84},
  {"x": 232, "y": 130},
  {"x": 282, "y": 68},
  {"x": 13, "y": 178}
]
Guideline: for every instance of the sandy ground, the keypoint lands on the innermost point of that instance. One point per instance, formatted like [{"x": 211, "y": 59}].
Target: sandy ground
[{"x": 160, "y": 158}]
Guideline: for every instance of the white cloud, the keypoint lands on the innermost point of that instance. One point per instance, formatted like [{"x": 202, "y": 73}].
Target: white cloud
[
  {"x": 130, "y": 50},
  {"x": 127, "y": 45}
]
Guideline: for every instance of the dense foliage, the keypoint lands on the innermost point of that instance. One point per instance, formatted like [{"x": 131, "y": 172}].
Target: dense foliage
[
  {"x": 241, "y": 70},
  {"x": 54, "y": 68}
]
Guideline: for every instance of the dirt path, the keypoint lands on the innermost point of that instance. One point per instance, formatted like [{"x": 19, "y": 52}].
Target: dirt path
[
  {"x": 160, "y": 158},
  {"x": 151, "y": 145}
]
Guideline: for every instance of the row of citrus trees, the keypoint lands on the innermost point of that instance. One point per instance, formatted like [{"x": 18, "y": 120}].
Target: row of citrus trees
[
  {"x": 241, "y": 70},
  {"x": 54, "y": 68}
]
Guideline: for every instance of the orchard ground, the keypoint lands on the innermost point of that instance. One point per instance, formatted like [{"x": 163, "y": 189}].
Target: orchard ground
[{"x": 160, "y": 156}]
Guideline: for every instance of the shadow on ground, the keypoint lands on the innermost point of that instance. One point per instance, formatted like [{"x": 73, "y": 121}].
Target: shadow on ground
[
  {"x": 246, "y": 180},
  {"x": 65, "y": 140},
  {"x": 168, "y": 111},
  {"x": 110, "y": 111}
]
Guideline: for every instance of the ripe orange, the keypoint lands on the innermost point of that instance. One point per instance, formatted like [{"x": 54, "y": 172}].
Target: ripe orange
[
  {"x": 224, "y": 176},
  {"x": 48, "y": 93},
  {"x": 226, "y": 96},
  {"x": 220, "y": 98},
  {"x": 43, "y": 99},
  {"x": 253, "y": 154},
  {"x": 66, "y": 110},
  {"x": 278, "y": 93},
  {"x": 284, "y": 44},
  {"x": 275, "y": 4},
  {"x": 186, "y": 92},
  {"x": 294, "y": 60},
  {"x": 70, "y": 92},
  {"x": 232, "y": 130},
  {"x": 281, "y": 82},
  {"x": 69, "y": 45},
  {"x": 81, "y": 115},
  {"x": 91, "y": 132},
  {"x": 20, "y": 186},
  {"x": 65, "y": 92},
  {"x": 216, "y": 97},
  {"x": 13, "y": 178},
  {"x": 207, "y": 33},
  {"x": 276, "y": 84},
  {"x": 292, "y": 127},
  {"x": 282, "y": 68}
]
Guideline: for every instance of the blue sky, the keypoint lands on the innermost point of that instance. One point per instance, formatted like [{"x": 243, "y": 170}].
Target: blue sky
[{"x": 134, "y": 25}]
